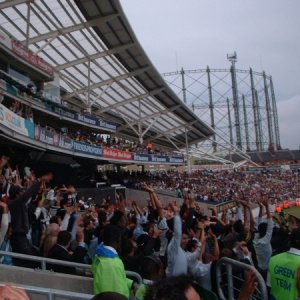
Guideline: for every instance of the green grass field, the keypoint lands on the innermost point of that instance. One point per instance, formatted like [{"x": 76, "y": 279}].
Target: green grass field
[{"x": 293, "y": 211}]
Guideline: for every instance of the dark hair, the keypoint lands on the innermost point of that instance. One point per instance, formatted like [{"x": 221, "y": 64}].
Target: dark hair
[
  {"x": 64, "y": 237},
  {"x": 295, "y": 238},
  {"x": 54, "y": 219},
  {"x": 115, "y": 219},
  {"x": 191, "y": 245},
  {"x": 111, "y": 235},
  {"x": 172, "y": 288},
  {"x": 150, "y": 267},
  {"x": 262, "y": 229},
  {"x": 238, "y": 227}
]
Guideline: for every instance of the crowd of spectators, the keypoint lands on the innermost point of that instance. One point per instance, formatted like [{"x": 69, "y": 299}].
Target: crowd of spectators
[
  {"x": 214, "y": 185},
  {"x": 174, "y": 247}
]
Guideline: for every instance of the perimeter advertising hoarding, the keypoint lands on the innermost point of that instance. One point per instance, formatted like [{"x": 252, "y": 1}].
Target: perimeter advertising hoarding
[
  {"x": 15, "y": 122},
  {"x": 116, "y": 154},
  {"x": 158, "y": 158},
  {"x": 88, "y": 119},
  {"x": 87, "y": 149},
  {"x": 176, "y": 159}
]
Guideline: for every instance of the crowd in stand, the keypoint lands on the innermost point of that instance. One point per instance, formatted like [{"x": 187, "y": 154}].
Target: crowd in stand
[
  {"x": 175, "y": 248},
  {"x": 217, "y": 186}
]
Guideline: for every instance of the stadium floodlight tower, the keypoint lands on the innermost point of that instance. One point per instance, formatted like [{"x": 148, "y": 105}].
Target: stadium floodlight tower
[{"x": 233, "y": 59}]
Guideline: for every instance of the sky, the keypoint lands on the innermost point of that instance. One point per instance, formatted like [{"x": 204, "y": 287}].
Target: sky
[{"x": 195, "y": 33}]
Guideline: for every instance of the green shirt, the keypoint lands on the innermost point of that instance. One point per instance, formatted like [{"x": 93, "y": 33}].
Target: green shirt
[
  {"x": 283, "y": 272},
  {"x": 110, "y": 276}
]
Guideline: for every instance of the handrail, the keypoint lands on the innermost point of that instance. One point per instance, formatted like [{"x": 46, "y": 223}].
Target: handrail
[
  {"x": 51, "y": 293},
  {"x": 45, "y": 260},
  {"x": 229, "y": 263}
]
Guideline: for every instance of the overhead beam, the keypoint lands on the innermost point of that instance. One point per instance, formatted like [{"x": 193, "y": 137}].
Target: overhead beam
[
  {"x": 108, "y": 82},
  {"x": 10, "y": 3},
  {"x": 186, "y": 125},
  {"x": 65, "y": 30},
  {"x": 94, "y": 56},
  {"x": 130, "y": 100},
  {"x": 160, "y": 113}
]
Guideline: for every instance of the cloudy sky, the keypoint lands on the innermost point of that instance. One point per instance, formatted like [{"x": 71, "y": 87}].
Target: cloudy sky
[{"x": 196, "y": 33}]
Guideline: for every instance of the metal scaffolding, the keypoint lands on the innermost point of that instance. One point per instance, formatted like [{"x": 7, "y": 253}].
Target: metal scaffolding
[{"x": 240, "y": 105}]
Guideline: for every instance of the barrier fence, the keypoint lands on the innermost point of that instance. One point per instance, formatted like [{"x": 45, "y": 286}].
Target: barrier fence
[
  {"x": 84, "y": 269},
  {"x": 51, "y": 294},
  {"x": 227, "y": 281}
]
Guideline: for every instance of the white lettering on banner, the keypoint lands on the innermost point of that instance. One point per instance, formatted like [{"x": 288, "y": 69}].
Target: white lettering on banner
[
  {"x": 86, "y": 119},
  {"x": 117, "y": 154},
  {"x": 141, "y": 157},
  {"x": 176, "y": 160},
  {"x": 87, "y": 148},
  {"x": 158, "y": 159}
]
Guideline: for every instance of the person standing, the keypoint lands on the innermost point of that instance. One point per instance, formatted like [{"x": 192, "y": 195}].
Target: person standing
[
  {"x": 282, "y": 276},
  {"x": 19, "y": 209}
]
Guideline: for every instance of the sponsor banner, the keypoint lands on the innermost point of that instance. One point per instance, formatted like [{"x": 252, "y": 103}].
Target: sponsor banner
[
  {"x": 5, "y": 40},
  {"x": 87, "y": 119},
  {"x": 141, "y": 157},
  {"x": 160, "y": 159},
  {"x": 62, "y": 111},
  {"x": 65, "y": 142},
  {"x": 15, "y": 122},
  {"x": 47, "y": 136},
  {"x": 86, "y": 148},
  {"x": 107, "y": 125},
  {"x": 116, "y": 154},
  {"x": 30, "y": 57},
  {"x": 176, "y": 159}
]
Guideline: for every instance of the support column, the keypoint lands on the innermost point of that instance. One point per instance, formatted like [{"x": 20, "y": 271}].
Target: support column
[
  {"x": 89, "y": 106},
  {"x": 260, "y": 135},
  {"x": 246, "y": 124},
  {"x": 255, "y": 111},
  {"x": 183, "y": 85},
  {"x": 269, "y": 113},
  {"x": 187, "y": 153},
  {"x": 27, "y": 25},
  {"x": 230, "y": 124},
  {"x": 275, "y": 116},
  {"x": 236, "y": 106},
  {"x": 211, "y": 108}
]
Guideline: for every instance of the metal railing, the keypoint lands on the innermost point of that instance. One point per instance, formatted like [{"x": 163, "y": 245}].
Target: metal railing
[
  {"x": 51, "y": 294},
  {"x": 260, "y": 292},
  {"x": 86, "y": 269}
]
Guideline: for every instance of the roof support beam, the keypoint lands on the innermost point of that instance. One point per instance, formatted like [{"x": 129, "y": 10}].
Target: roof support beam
[
  {"x": 157, "y": 114},
  {"x": 10, "y": 3},
  {"x": 108, "y": 81},
  {"x": 62, "y": 31},
  {"x": 94, "y": 56},
  {"x": 183, "y": 126},
  {"x": 130, "y": 100}
]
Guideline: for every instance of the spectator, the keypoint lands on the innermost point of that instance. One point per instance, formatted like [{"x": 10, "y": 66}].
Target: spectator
[
  {"x": 108, "y": 269},
  {"x": 282, "y": 276},
  {"x": 60, "y": 251}
]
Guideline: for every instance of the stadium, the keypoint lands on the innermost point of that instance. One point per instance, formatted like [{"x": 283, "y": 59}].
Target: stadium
[{"x": 101, "y": 153}]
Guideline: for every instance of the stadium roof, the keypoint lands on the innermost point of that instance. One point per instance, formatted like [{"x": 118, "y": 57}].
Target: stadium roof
[{"x": 100, "y": 63}]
